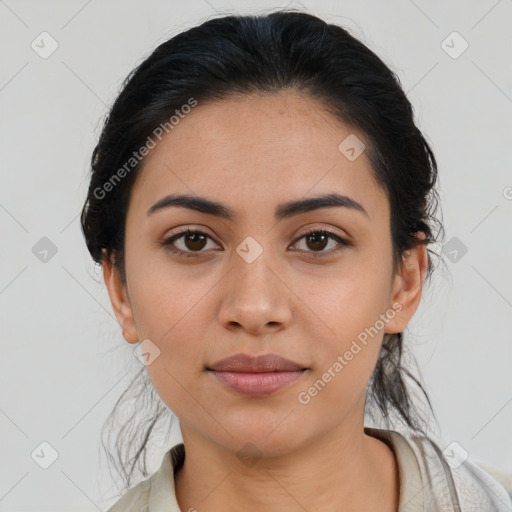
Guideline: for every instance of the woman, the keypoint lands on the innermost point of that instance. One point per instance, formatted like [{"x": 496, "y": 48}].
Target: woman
[{"x": 262, "y": 203}]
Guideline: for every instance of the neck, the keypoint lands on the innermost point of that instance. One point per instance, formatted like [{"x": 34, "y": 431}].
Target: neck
[{"x": 344, "y": 467}]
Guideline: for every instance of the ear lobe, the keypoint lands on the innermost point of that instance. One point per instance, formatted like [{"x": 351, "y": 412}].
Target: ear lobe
[
  {"x": 408, "y": 286},
  {"x": 119, "y": 299}
]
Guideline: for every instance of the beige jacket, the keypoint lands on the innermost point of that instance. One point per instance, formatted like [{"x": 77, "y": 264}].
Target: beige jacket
[{"x": 430, "y": 481}]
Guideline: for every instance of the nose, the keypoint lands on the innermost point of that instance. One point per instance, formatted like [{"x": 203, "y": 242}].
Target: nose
[{"x": 255, "y": 297}]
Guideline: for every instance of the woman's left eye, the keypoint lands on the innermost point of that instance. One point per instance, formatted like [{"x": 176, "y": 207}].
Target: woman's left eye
[{"x": 318, "y": 238}]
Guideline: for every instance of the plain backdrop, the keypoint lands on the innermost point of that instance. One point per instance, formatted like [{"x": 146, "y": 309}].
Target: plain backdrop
[{"x": 64, "y": 362}]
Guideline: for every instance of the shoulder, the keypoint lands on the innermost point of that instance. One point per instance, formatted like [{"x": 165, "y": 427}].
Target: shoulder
[
  {"x": 135, "y": 499},
  {"x": 156, "y": 492},
  {"x": 452, "y": 476},
  {"x": 505, "y": 479}
]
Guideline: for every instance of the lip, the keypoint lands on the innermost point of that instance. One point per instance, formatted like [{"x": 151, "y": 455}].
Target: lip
[
  {"x": 256, "y": 376},
  {"x": 249, "y": 364},
  {"x": 257, "y": 384}
]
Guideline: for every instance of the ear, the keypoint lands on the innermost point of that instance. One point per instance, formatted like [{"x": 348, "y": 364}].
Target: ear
[
  {"x": 407, "y": 286},
  {"x": 119, "y": 299}
]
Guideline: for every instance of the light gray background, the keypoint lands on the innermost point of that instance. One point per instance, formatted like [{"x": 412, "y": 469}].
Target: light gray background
[{"x": 64, "y": 361}]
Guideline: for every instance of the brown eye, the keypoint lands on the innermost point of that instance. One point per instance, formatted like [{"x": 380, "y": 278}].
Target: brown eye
[
  {"x": 318, "y": 239},
  {"x": 193, "y": 242}
]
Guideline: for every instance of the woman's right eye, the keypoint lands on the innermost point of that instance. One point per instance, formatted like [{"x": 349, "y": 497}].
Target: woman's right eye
[{"x": 194, "y": 239}]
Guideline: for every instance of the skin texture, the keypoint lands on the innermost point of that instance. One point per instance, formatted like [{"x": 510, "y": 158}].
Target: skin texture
[{"x": 252, "y": 154}]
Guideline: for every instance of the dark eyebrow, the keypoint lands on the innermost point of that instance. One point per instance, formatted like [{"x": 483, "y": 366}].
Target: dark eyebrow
[{"x": 283, "y": 211}]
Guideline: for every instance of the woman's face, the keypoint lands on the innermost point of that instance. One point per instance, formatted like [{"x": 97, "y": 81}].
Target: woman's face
[{"x": 252, "y": 283}]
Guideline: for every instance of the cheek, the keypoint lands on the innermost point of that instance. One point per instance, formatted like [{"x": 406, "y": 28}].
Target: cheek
[
  {"x": 169, "y": 309},
  {"x": 345, "y": 356},
  {"x": 167, "y": 299},
  {"x": 345, "y": 303},
  {"x": 346, "y": 328}
]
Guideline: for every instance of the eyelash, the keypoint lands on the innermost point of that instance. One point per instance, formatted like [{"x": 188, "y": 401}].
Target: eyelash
[{"x": 169, "y": 241}]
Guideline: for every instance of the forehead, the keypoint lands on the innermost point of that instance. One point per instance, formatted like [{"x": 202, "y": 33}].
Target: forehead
[{"x": 258, "y": 151}]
